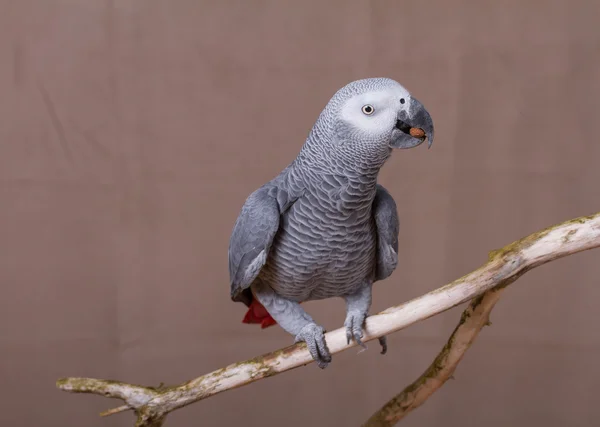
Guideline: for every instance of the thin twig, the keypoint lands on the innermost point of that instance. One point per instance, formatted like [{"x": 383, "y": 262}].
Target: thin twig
[
  {"x": 503, "y": 266},
  {"x": 114, "y": 411}
]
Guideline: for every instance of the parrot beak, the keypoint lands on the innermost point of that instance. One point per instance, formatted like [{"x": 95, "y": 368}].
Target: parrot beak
[{"x": 413, "y": 126}]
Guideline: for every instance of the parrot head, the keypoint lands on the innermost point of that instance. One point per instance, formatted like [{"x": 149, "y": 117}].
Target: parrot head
[{"x": 366, "y": 119}]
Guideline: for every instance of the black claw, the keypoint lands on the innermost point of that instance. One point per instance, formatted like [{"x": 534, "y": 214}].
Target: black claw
[
  {"x": 358, "y": 340},
  {"x": 326, "y": 357},
  {"x": 349, "y": 332},
  {"x": 383, "y": 342},
  {"x": 321, "y": 363}
]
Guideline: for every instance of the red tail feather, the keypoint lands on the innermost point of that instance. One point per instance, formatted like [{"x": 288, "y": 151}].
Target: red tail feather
[{"x": 258, "y": 314}]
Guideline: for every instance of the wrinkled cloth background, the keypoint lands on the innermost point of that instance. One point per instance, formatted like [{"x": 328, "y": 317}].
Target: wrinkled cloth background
[{"x": 132, "y": 131}]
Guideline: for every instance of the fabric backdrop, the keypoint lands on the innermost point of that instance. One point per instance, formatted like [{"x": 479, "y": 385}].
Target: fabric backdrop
[{"x": 132, "y": 131}]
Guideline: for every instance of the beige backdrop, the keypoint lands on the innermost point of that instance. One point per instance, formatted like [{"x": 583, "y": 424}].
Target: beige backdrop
[{"x": 132, "y": 131}]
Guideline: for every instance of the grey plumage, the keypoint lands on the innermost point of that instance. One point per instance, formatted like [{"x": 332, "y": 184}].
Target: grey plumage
[{"x": 324, "y": 227}]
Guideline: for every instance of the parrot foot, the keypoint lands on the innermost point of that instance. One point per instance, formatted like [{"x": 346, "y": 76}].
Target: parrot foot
[
  {"x": 354, "y": 327},
  {"x": 314, "y": 337}
]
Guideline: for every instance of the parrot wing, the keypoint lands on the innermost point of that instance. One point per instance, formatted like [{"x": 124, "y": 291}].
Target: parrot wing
[
  {"x": 251, "y": 241},
  {"x": 388, "y": 226}
]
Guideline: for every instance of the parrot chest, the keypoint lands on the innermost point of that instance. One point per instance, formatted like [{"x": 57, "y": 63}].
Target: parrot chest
[{"x": 325, "y": 247}]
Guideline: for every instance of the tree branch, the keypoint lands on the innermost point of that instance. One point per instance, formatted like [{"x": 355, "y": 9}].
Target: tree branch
[
  {"x": 473, "y": 319},
  {"x": 504, "y": 266}
]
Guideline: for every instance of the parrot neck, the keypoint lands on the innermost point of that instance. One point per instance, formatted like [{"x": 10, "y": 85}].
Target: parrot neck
[{"x": 342, "y": 159}]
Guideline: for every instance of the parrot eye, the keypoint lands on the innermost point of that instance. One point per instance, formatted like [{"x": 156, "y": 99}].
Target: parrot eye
[{"x": 368, "y": 109}]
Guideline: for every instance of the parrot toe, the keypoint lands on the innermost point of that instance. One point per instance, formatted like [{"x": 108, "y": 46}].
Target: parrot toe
[
  {"x": 314, "y": 337},
  {"x": 354, "y": 328},
  {"x": 383, "y": 343}
]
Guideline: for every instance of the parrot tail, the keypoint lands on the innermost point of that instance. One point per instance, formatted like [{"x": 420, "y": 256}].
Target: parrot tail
[{"x": 258, "y": 314}]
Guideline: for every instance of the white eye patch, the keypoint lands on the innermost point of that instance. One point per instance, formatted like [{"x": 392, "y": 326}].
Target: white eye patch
[{"x": 380, "y": 105}]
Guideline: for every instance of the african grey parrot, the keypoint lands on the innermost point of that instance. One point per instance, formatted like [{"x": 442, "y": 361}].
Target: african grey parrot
[{"x": 324, "y": 227}]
